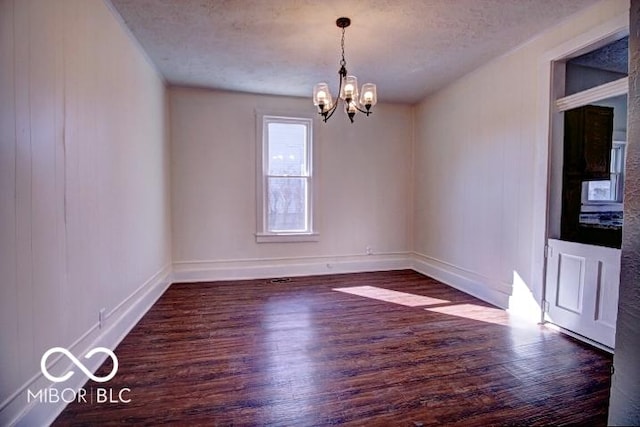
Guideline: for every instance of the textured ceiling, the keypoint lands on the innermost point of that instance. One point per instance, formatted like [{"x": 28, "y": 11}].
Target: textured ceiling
[{"x": 409, "y": 48}]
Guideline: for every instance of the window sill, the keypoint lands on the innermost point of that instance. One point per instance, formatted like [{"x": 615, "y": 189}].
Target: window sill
[
  {"x": 286, "y": 237},
  {"x": 600, "y": 206}
]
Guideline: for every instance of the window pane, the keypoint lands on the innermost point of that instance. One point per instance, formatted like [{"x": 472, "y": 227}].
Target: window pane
[
  {"x": 599, "y": 191},
  {"x": 287, "y": 204},
  {"x": 617, "y": 158},
  {"x": 287, "y": 149}
]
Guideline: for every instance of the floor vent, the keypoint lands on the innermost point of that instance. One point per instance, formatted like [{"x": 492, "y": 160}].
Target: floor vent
[{"x": 280, "y": 280}]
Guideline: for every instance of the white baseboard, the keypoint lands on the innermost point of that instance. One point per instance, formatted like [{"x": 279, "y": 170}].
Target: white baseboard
[
  {"x": 466, "y": 281},
  {"x": 204, "y": 271},
  {"x": 17, "y": 411}
]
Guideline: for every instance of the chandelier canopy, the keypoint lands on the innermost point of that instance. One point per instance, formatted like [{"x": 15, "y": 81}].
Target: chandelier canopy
[{"x": 354, "y": 101}]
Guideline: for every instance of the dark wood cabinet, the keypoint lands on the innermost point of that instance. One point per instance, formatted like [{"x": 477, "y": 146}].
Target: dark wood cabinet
[
  {"x": 588, "y": 138},
  {"x": 587, "y": 142}
]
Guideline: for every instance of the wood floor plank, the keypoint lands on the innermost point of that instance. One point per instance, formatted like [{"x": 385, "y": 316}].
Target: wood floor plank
[{"x": 301, "y": 352}]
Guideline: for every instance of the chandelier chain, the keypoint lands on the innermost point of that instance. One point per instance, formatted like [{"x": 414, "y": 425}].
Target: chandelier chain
[{"x": 342, "y": 61}]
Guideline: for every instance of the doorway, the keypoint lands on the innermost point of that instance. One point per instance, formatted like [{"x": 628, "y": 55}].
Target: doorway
[{"x": 585, "y": 206}]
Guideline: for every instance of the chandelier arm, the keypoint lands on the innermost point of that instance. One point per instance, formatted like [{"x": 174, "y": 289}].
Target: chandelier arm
[
  {"x": 330, "y": 112},
  {"x": 335, "y": 105},
  {"x": 363, "y": 111}
]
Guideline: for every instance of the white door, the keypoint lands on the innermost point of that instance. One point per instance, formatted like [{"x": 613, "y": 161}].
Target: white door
[{"x": 582, "y": 289}]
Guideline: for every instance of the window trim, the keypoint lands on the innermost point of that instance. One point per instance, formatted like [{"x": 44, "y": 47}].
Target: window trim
[
  {"x": 262, "y": 234},
  {"x": 617, "y": 175}
]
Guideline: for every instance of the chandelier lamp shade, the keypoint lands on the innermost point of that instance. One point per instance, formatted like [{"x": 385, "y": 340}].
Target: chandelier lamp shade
[{"x": 354, "y": 101}]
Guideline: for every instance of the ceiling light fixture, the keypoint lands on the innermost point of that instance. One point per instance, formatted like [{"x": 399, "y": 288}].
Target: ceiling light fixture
[{"x": 347, "y": 89}]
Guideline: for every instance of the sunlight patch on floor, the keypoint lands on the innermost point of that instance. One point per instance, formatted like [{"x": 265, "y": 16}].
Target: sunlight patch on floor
[
  {"x": 474, "y": 312},
  {"x": 388, "y": 295},
  {"x": 480, "y": 313}
]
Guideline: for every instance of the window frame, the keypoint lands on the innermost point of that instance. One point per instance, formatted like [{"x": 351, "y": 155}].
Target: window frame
[
  {"x": 616, "y": 179},
  {"x": 263, "y": 234}
]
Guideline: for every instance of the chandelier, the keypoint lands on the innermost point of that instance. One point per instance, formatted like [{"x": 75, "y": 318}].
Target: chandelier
[{"x": 347, "y": 89}]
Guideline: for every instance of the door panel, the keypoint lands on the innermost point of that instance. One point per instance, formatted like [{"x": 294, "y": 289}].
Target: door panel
[
  {"x": 570, "y": 282},
  {"x": 607, "y": 297},
  {"x": 582, "y": 289}
]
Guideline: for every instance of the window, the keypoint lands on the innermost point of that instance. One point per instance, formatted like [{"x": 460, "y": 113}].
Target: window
[
  {"x": 285, "y": 179},
  {"x": 611, "y": 190}
]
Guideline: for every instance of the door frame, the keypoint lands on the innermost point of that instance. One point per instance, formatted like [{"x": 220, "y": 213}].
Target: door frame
[{"x": 550, "y": 125}]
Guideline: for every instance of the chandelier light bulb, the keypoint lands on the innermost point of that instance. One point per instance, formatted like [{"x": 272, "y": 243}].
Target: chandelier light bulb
[
  {"x": 351, "y": 109},
  {"x": 369, "y": 96},
  {"x": 350, "y": 89},
  {"x": 322, "y": 97}
]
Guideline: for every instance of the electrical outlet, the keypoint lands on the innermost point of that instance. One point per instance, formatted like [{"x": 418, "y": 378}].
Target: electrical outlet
[
  {"x": 101, "y": 317},
  {"x": 369, "y": 250}
]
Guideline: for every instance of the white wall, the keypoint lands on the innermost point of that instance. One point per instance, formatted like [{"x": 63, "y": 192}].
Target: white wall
[
  {"x": 624, "y": 407},
  {"x": 475, "y": 158},
  {"x": 619, "y": 105},
  {"x": 580, "y": 77},
  {"x": 84, "y": 208},
  {"x": 363, "y": 173}
]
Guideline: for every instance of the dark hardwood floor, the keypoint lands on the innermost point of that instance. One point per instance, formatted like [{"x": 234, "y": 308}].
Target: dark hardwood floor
[{"x": 300, "y": 353}]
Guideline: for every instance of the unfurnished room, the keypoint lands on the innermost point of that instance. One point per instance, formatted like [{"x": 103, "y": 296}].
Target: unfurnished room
[{"x": 313, "y": 213}]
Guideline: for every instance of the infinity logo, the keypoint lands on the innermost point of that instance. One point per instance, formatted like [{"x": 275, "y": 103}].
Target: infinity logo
[{"x": 45, "y": 356}]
